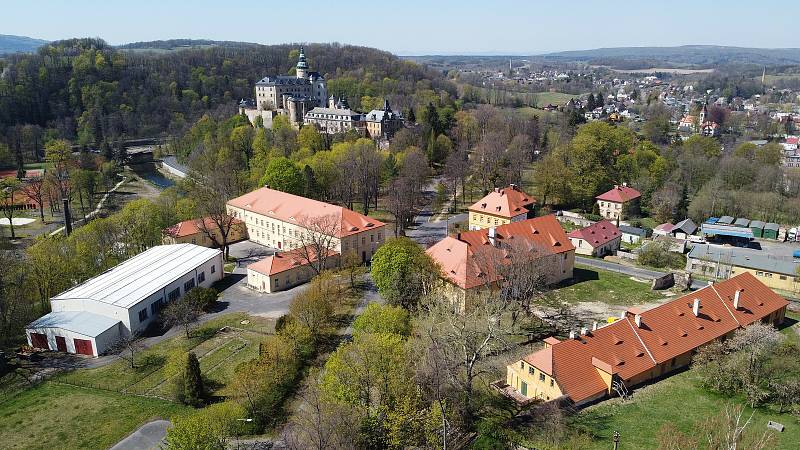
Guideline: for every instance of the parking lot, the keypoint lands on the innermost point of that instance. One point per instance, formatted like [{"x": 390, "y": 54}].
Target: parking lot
[{"x": 778, "y": 249}]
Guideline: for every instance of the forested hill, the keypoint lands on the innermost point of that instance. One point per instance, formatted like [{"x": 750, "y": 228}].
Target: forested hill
[
  {"x": 89, "y": 92},
  {"x": 15, "y": 44},
  {"x": 182, "y": 44},
  {"x": 695, "y": 55}
]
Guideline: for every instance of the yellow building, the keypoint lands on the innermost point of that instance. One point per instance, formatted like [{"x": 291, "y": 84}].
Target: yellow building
[
  {"x": 203, "y": 232},
  {"x": 716, "y": 261},
  {"x": 500, "y": 207},
  {"x": 285, "y": 270}
]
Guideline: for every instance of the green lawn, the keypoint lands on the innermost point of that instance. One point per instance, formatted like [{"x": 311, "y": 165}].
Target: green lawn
[
  {"x": 679, "y": 399},
  {"x": 594, "y": 285},
  {"x": 219, "y": 353},
  {"x": 555, "y": 98},
  {"x": 58, "y": 416}
]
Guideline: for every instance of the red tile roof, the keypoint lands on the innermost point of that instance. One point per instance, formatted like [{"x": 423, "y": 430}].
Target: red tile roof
[
  {"x": 666, "y": 331},
  {"x": 192, "y": 227},
  {"x": 597, "y": 234},
  {"x": 293, "y": 208},
  {"x": 793, "y": 140},
  {"x": 507, "y": 202},
  {"x": 457, "y": 255},
  {"x": 283, "y": 261},
  {"x": 620, "y": 194}
]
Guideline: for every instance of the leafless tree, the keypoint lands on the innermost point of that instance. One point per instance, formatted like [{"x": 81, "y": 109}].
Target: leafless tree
[
  {"x": 456, "y": 171},
  {"x": 318, "y": 238},
  {"x": 414, "y": 169},
  {"x": 729, "y": 431},
  {"x": 402, "y": 203},
  {"x": 367, "y": 168},
  {"x": 182, "y": 312},
  {"x": 128, "y": 347},
  {"x": 346, "y": 185},
  {"x": 217, "y": 227},
  {"x": 34, "y": 189},
  {"x": 318, "y": 424}
]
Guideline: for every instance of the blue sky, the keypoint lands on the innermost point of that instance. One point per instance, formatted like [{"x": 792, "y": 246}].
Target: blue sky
[{"x": 414, "y": 26}]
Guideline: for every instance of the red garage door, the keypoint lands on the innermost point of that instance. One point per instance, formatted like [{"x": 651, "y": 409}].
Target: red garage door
[
  {"x": 83, "y": 347},
  {"x": 39, "y": 340},
  {"x": 61, "y": 344}
]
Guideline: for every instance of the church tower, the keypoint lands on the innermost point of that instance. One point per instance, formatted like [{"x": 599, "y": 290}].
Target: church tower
[
  {"x": 302, "y": 65},
  {"x": 704, "y": 113}
]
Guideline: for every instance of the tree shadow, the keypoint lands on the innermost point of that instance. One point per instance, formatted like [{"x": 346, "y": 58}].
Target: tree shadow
[{"x": 579, "y": 275}]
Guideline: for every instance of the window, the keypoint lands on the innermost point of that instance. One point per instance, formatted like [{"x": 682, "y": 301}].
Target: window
[
  {"x": 371, "y": 238},
  {"x": 783, "y": 277},
  {"x": 541, "y": 377},
  {"x": 521, "y": 365},
  {"x": 551, "y": 385},
  {"x": 156, "y": 306},
  {"x": 143, "y": 315},
  {"x": 188, "y": 285},
  {"x": 761, "y": 274},
  {"x": 213, "y": 269},
  {"x": 531, "y": 370},
  {"x": 172, "y": 296},
  {"x": 201, "y": 277}
]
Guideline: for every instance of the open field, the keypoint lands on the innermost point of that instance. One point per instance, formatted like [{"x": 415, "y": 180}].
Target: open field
[
  {"x": 53, "y": 415},
  {"x": 219, "y": 352},
  {"x": 593, "y": 285},
  {"x": 556, "y": 98}
]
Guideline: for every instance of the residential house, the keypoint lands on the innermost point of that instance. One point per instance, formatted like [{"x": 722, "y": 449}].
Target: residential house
[
  {"x": 201, "y": 231},
  {"x": 601, "y": 361},
  {"x": 680, "y": 230},
  {"x": 599, "y": 239},
  {"x": 632, "y": 235},
  {"x": 124, "y": 300},
  {"x": 716, "y": 261},
  {"x": 500, "y": 207},
  {"x": 286, "y": 221},
  {"x": 621, "y": 202},
  {"x": 469, "y": 261}
]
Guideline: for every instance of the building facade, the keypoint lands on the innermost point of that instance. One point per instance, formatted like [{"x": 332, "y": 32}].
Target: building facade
[
  {"x": 285, "y": 270},
  {"x": 383, "y": 123},
  {"x": 621, "y": 202},
  {"x": 501, "y": 207},
  {"x": 337, "y": 117},
  {"x": 200, "y": 231},
  {"x": 599, "y": 239},
  {"x": 283, "y": 221}
]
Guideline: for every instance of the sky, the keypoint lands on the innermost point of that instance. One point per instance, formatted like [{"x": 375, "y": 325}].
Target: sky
[{"x": 415, "y": 27}]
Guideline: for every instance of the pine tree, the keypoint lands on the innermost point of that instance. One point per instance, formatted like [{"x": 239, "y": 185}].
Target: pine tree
[
  {"x": 193, "y": 389},
  {"x": 411, "y": 116},
  {"x": 590, "y": 105},
  {"x": 544, "y": 140}
]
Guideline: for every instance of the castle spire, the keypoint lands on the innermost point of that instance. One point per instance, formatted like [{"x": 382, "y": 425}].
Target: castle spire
[{"x": 302, "y": 65}]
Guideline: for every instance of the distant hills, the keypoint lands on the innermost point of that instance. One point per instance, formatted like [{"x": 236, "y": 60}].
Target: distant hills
[
  {"x": 179, "y": 44},
  {"x": 686, "y": 55},
  {"x": 19, "y": 44}
]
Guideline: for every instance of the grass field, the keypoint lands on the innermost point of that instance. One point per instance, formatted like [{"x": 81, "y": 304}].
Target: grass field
[
  {"x": 219, "y": 353},
  {"x": 58, "y": 416},
  {"x": 593, "y": 285},
  {"x": 556, "y": 98}
]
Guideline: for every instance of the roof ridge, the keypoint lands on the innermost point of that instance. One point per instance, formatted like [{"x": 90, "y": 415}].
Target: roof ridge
[
  {"x": 713, "y": 288},
  {"x": 636, "y": 333}
]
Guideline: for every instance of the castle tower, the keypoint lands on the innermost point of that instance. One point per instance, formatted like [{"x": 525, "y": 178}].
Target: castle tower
[
  {"x": 703, "y": 113},
  {"x": 331, "y": 102},
  {"x": 302, "y": 65}
]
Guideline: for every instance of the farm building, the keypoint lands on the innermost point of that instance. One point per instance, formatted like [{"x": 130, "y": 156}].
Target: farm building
[
  {"x": 124, "y": 300},
  {"x": 632, "y": 235}
]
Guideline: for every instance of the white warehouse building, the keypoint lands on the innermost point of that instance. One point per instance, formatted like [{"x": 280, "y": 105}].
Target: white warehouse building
[{"x": 124, "y": 300}]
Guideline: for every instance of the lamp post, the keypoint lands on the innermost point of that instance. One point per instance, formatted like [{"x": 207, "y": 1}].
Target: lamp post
[
  {"x": 248, "y": 420},
  {"x": 616, "y": 440}
]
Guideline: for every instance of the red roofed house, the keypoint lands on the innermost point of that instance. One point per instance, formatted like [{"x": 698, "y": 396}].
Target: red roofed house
[
  {"x": 500, "y": 207},
  {"x": 284, "y": 270},
  {"x": 198, "y": 231},
  {"x": 468, "y": 260},
  {"x": 619, "y": 203},
  {"x": 599, "y": 239},
  {"x": 642, "y": 345},
  {"x": 281, "y": 220}
]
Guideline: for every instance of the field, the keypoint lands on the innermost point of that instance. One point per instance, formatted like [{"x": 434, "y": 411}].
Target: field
[
  {"x": 219, "y": 352},
  {"x": 593, "y": 285},
  {"x": 53, "y": 415},
  {"x": 555, "y": 98}
]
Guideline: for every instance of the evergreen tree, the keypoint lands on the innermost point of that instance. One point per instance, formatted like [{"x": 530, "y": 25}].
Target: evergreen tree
[
  {"x": 599, "y": 100},
  {"x": 411, "y": 116},
  {"x": 590, "y": 105},
  {"x": 311, "y": 187},
  {"x": 544, "y": 141},
  {"x": 193, "y": 389}
]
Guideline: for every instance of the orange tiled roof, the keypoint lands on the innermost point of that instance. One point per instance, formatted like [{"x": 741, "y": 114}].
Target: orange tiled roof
[
  {"x": 192, "y": 227},
  {"x": 597, "y": 234},
  {"x": 507, "y": 202},
  {"x": 456, "y": 255},
  {"x": 666, "y": 331},
  {"x": 620, "y": 194},
  {"x": 283, "y": 261},
  {"x": 293, "y": 208}
]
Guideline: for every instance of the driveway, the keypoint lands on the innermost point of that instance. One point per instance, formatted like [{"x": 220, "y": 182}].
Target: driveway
[
  {"x": 638, "y": 272},
  {"x": 149, "y": 436}
]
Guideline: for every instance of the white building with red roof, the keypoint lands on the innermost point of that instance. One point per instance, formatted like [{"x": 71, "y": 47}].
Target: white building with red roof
[
  {"x": 641, "y": 346},
  {"x": 285, "y": 270},
  {"x": 619, "y": 203},
  {"x": 283, "y": 221},
  {"x": 599, "y": 239},
  {"x": 501, "y": 206}
]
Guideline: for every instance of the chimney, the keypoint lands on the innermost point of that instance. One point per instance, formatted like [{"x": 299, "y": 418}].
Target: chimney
[
  {"x": 584, "y": 331},
  {"x": 624, "y": 184},
  {"x": 736, "y": 299},
  {"x": 266, "y": 186},
  {"x": 67, "y": 218},
  {"x": 594, "y": 326},
  {"x": 572, "y": 334},
  {"x": 497, "y": 190},
  {"x": 638, "y": 319},
  {"x": 622, "y": 314},
  {"x": 458, "y": 236},
  {"x": 616, "y": 186},
  {"x": 696, "y": 307},
  {"x": 514, "y": 186}
]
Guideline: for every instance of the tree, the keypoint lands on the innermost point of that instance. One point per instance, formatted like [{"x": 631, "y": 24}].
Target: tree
[
  {"x": 16, "y": 309},
  {"x": 182, "y": 312},
  {"x": 34, "y": 190},
  {"x": 59, "y": 154},
  {"x": 384, "y": 319},
  {"x": 208, "y": 428},
  {"x": 321, "y": 424},
  {"x": 309, "y": 138},
  {"x": 204, "y": 298},
  {"x": 194, "y": 391},
  {"x": 403, "y": 272},
  {"x": 127, "y": 347},
  {"x": 10, "y": 189},
  {"x": 283, "y": 175},
  {"x": 318, "y": 238},
  {"x": 312, "y": 309}
]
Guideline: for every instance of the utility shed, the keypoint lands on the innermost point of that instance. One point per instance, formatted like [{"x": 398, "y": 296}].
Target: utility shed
[
  {"x": 771, "y": 231},
  {"x": 758, "y": 228},
  {"x": 123, "y": 300},
  {"x": 725, "y": 220},
  {"x": 742, "y": 222}
]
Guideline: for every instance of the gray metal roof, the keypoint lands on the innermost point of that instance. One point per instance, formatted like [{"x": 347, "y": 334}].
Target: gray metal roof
[
  {"x": 686, "y": 225},
  {"x": 633, "y": 230},
  {"x": 756, "y": 224},
  {"x": 745, "y": 257},
  {"x": 81, "y": 322},
  {"x": 771, "y": 226},
  {"x": 727, "y": 220},
  {"x": 335, "y": 111},
  {"x": 132, "y": 281},
  {"x": 742, "y": 222}
]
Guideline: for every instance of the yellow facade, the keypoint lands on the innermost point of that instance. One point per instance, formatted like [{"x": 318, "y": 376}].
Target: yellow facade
[
  {"x": 773, "y": 280},
  {"x": 531, "y": 382},
  {"x": 481, "y": 220}
]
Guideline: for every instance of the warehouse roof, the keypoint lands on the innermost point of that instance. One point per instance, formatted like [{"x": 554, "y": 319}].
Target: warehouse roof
[
  {"x": 726, "y": 230},
  {"x": 81, "y": 322},
  {"x": 130, "y": 282},
  {"x": 745, "y": 257}
]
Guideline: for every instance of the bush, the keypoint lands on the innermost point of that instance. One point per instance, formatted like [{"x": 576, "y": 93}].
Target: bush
[
  {"x": 282, "y": 322},
  {"x": 657, "y": 254},
  {"x": 383, "y": 319},
  {"x": 207, "y": 428},
  {"x": 204, "y": 298}
]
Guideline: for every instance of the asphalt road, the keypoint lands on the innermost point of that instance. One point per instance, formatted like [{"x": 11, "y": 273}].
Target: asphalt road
[
  {"x": 637, "y": 272},
  {"x": 149, "y": 436}
]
